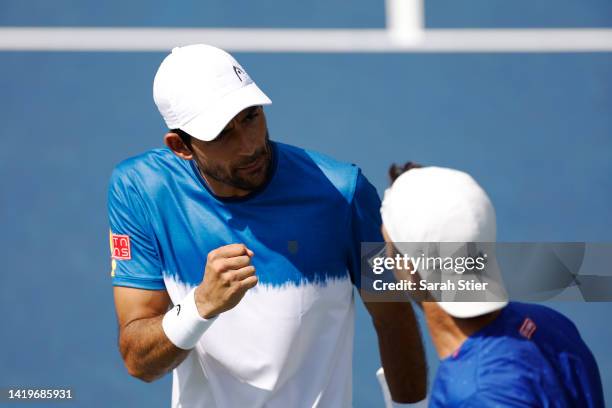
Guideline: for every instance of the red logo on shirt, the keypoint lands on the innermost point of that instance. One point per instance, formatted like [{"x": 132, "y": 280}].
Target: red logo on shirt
[
  {"x": 527, "y": 328},
  {"x": 120, "y": 247}
]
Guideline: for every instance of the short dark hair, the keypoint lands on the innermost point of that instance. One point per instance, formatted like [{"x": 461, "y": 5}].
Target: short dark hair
[
  {"x": 395, "y": 171},
  {"x": 185, "y": 137}
]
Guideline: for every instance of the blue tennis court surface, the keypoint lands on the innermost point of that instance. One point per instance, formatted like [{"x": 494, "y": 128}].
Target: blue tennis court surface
[{"x": 534, "y": 129}]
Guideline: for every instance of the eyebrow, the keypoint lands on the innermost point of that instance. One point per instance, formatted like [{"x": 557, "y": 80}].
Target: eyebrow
[{"x": 249, "y": 111}]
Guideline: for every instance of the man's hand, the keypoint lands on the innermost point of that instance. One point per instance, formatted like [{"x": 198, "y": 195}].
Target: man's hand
[{"x": 227, "y": 277}]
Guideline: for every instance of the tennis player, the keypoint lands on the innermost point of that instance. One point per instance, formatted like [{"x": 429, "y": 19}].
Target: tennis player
[
  {"x": 234, "y": 256},
  {"x": 493, "y": 353}
]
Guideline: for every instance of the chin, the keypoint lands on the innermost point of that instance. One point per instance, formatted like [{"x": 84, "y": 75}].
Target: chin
[{"x": 257, "y": 180}]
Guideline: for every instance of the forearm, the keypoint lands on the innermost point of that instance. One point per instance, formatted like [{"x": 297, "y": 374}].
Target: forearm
[
  {"x": 402, "y": 353},
  {"x": 146, "y": 350}
]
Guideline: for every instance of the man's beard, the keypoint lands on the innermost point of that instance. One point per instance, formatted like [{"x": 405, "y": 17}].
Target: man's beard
[{"x": 234, "y": 178}]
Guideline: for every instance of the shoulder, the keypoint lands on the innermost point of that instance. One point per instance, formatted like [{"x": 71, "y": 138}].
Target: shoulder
[
  {"x": 543, "y": 312},
  {"x": 473, "y": 378},
  {"x": 144, "y": 171},
  {"x": 504, "y": 345},
  {"x": 142, "y": 164},
  {"x": 509, "y": 355},
  {"x": 342, "y": 175},
  {"x": 508, "y": 361},
  {"x": 548, "y": 323}
]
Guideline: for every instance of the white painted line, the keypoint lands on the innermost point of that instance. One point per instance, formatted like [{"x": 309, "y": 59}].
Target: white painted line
[
  {"x": 519, "y": 40},
  {"x": 305, "y": 40}
]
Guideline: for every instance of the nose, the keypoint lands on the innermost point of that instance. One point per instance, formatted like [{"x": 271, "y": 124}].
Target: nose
[{"x": 246, "y": 141}]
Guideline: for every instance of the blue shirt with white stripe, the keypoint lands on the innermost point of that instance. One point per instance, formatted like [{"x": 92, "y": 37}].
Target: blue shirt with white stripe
[{"x": 288, "y": 342}]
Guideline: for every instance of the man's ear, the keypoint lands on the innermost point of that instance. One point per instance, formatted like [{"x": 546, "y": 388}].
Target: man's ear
[{"x": 175, "y": 143}]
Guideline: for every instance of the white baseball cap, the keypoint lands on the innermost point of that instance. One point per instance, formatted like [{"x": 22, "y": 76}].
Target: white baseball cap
[
  {"x": 200, "y": 88},
  {"x": 435, "y": 204}
]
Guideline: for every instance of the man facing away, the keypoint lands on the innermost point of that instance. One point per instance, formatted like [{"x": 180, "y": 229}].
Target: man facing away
[
  {"x": 256, "y": 244},
  {"x": 493, "y": 354}
]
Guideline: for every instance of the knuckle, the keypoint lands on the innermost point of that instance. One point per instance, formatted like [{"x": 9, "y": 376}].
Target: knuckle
[
  {"x": 217, "y": 264},
  {"x": 240, "y": 249},
  {"x": 251, "y": 281}
]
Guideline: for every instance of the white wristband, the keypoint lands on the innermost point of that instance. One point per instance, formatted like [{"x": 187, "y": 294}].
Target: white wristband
[
  {"x": 183, "y": 324},
  {"x": 389, "y": 403}
]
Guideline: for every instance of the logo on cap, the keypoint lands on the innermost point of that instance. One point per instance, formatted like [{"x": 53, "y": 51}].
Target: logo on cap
[{"x": 238, "y": 72}]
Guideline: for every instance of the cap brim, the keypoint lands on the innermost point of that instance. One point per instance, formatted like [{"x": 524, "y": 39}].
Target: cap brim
[
  {"x": 207, "y": 125},
  {"x": 464, "y": 310},
  {"x": 493, "y": 298}
]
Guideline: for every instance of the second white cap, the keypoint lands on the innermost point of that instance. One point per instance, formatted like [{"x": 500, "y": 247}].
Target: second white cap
[{"x": 441, "y": 205}]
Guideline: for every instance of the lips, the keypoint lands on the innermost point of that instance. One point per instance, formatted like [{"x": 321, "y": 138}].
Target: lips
[{"x": 254, "y": 165}]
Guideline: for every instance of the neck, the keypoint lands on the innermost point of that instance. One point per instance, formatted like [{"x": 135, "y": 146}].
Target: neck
[
  {"x": 221, "y": 189},
  {"x": 449, "y": 333}
]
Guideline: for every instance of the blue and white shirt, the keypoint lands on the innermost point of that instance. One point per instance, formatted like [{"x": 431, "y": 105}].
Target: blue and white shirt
[
  {"x": 529, "y": 356},
  {"x": 288, "y": 343}
]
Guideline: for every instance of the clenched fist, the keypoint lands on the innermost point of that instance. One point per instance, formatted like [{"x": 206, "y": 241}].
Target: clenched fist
[{"x": 227, "y": 277}]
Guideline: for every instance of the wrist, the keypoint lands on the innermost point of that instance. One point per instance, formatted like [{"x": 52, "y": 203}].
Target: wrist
[
  {"x": 183, "y": 324},
  {"x": 204, "y": 308},
  {"x": 389, "y": 403}
]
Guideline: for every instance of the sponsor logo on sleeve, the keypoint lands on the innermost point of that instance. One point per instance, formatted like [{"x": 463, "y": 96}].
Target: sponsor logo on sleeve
[
  {"x": 120, "y": 247},
  {"x": 527, "y": 328}
]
